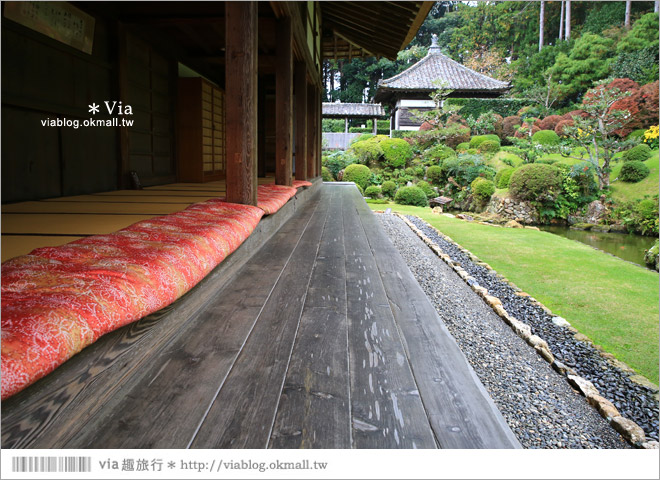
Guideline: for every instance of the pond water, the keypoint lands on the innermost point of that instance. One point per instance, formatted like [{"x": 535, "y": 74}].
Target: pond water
[{"x": 623, "y": 245}]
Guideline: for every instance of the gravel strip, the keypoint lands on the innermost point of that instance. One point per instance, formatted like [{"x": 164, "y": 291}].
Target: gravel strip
[
  {"x": 537, "y": 403},
  {"x": 634, "y": 401}
]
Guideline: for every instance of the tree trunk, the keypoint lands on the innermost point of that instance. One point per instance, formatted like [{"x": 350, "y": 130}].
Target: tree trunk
[
  {"x": 561, "y": 21},
  {"x": 567, "y": 35},
  {"x": 541, "y": 24},
  {"x": 655, "y": 8},
  {"x": 626, "y": 22}
]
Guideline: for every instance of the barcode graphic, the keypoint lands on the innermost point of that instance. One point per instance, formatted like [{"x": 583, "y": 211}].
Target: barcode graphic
[{"x": 51, "y": 464}]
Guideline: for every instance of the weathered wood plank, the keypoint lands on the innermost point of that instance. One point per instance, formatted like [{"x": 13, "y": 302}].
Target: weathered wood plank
[
  {"x": 241, "y": 101},
  {"x": 244, "y": 410},
  {"x": 314, "y": 410},
  {"x": 386, "y": 407},
  {"x": 180, "y": 382},
  {"x": 284, "y": 102},
  {"x": 461, "y": 412}
]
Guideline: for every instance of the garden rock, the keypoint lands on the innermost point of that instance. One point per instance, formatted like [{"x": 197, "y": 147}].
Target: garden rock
[
  {"x": 512, "y": 224},
  {"x": 560, "y": 322},
  {"x": 596, "y": 211},
  {"x": 629, "y": 429}
]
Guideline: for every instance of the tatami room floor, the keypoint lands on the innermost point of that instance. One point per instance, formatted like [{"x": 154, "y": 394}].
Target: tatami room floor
[{"x": 56, "y": 221}]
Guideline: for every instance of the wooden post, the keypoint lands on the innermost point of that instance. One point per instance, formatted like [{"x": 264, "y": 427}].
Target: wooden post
[
  {"x": 300, "y": 79},
  {"x": 345, "y": 124},
  {"x": 319, "y": 134},
  {"x": 241, "y": 101},
  {"x": 311, "y": 131},
  {"x": 261, "y": 129},
  {"x": 284, "y": 102}
]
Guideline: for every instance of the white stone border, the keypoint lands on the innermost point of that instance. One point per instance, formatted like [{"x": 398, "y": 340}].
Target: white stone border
[{"x": 628, "y": 429}]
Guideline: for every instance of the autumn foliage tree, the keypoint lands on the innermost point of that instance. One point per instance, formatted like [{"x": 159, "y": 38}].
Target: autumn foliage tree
[{"x": 594, "y": 131}]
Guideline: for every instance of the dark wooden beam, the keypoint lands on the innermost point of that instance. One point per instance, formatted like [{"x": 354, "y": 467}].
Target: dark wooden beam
[
  {"x": 241, "y": 82},
  {"x": 300, "y": 79},
  {"x": 311, "y": 131},
  {"x": 284, "y": 102}
]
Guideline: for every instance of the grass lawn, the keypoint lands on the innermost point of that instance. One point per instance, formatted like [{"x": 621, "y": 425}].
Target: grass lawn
[
  {"x": 497, "y": 161},
  {"x": 611, "y": 301},
  {"x": 630, "y": 191}
]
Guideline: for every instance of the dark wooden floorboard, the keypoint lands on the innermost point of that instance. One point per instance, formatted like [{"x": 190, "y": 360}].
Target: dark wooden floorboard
[
  {"x": 243, "y": 413},
  {"x": 461, "y": 412},
  {"x": 386, "y": 406},
  {"x": 314, "y": 409}
]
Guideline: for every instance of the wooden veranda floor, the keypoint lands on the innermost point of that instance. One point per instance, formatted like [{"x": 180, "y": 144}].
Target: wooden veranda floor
[{"x": 322, "y": 339}]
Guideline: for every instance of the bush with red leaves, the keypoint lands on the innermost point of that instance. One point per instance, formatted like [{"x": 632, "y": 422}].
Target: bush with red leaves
[
  {"x": 524, "y": 131},
  {"x": 549, "y": 122},
  {"x": 559, "y": 128},
  {"x": 509, "y": 125}
]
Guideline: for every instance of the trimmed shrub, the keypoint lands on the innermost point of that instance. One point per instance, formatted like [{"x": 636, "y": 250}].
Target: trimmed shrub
[
  {"x": 463, "y": 147},
  {"x": 357, "y": 173},
  {"x": 360, "y": 189},
  {"x": 473, "y": 107},
  {"x": 438, "y": 153},
  {"x": 638, "y": 153},
  {"x": 503, "y": 177},
  {"x": 362, "y": 138},
  {"x": 396, "y": 151},
  {"x": 411, "y": 196},
  {"x": 434, "y": 174},
  {"x": 547, "y": 161},
  {"x": 509, "y": 125},
  {"x": 489, "y": 146},
  {"x": 545, "y": 138},
  {"x": 477, "y": 140},
  {"x": 482, "y": 189},
  {"x": 549, "y": 122},
  {"x": 373, "y": 191},
  {"x": 337, "y": 161},
  {"x": 367, "y": 151},
  {"x": 639, "y": 133},
  {"x": 634, "y": 171},
  {"x": 326, "y": 175},
  {"x": 535, "y": 181},
  {"x": 388, "y": 188},
  {"x": 524, "y": 131},
  {"x": 559, "y": 129},
  {"x": 428, "y": 190}
]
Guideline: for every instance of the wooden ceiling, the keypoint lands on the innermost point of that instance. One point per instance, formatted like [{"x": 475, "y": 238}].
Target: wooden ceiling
[{"x": 381, "y": 29}]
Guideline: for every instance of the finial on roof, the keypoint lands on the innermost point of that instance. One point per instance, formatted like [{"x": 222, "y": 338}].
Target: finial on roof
[{"x": 434, "y": 44}]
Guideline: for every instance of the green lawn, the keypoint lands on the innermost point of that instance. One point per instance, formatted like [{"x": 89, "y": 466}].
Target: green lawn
[
  {"x": 630, "y": 191},
  {"x": 611, "y": 301}
]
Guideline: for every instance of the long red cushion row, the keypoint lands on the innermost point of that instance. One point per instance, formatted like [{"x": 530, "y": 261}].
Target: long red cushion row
[
  {"x": 301, "y": 183},
  {"x": 270, "y": 197},
  {"x": 58, "y": 300}
]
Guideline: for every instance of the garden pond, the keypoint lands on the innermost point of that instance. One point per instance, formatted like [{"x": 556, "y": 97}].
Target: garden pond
[{"x": 626, "y": 246}]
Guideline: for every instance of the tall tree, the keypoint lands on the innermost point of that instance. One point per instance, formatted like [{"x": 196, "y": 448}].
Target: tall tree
[
  {"x": 567, "y": 35},
  {"x": 541, "y": 24},
  {"x": 561, "y": 21},
  {"x": 626, "y": 21}
]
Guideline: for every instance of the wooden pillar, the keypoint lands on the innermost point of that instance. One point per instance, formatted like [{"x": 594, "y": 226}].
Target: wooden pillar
[
  {"x": 375, "y": 125},
  {"x": 300, "y": 79},
  {"x": 284, "y": 102},
  {"x": 261, "y": 127},
  {"x": 241, "y": 101},
  {"x": 311, "y": 131},
  {"x": 346, "y": 125},
  {"x": 319, "y": 135}
]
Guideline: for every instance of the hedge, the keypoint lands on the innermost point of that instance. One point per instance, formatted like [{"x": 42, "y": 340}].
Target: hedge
[
  {"x": 473, "y": 107},
  {"x": 381, "y": 131}
]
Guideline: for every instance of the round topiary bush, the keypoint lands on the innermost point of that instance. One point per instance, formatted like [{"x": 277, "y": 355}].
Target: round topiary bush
[
  {"x": 535, "y": 181},
  {"x": 549, "y": 122},
  {"x": 638, "y": 153},
  {"x": 411, "y": 196},
  {"x": 524, "y": 131},
  {"x": 428, "y": 190},
  {"x": 367, "y": 151},
  {"x": 509, "y": 125},
  {"x": 373, "y": 191},
  {"x": 462, "y": 147},
  {"x": 479, "y": 139},
  {"x": 361, "y": 190},
  {"x": 357, "y": 173},
  {"x": 438, "y": 153},
  {"x": 639, "y": 133},
  {"x": 434, "y": 174},
  {"x": 362, "y": 138},
  {"x": 388, "y": 188},
  {"x": 559, "y": 129},
  {"x": 634, "y": 171},
  {"x": 482, "y": 189},
  {"x": 489, "y": 146},
  {"x": 503, "y": 177},
  {"x": 545, "y": 138},
  {"x": 326, "y": 175},
  {"x": 396, "y": 152}
]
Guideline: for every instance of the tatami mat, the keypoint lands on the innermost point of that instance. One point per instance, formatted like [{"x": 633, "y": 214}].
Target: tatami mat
[
  {"x": 67, "y": 224},
  {"x": 103, "y": 207},
  {"x": 15, "y": 245},
  {"x": 138, "y": 198}
]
